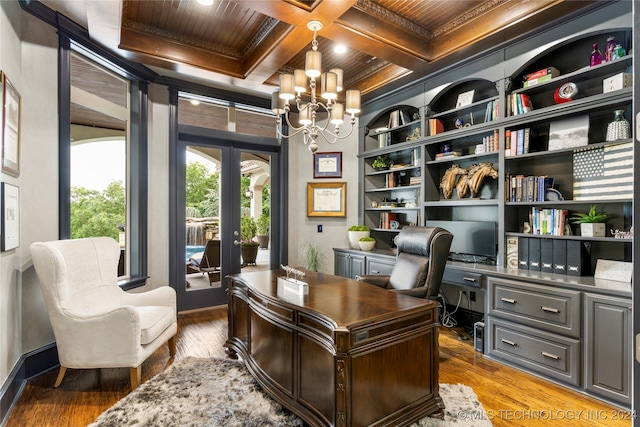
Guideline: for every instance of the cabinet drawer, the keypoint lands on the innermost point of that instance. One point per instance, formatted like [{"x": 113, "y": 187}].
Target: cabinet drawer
[
  {"x": 462, "y": 278},
  {"x": 555, "y": 310},
  {"x": 548, "y": 354},
  {"x": 379, "y": 265}
]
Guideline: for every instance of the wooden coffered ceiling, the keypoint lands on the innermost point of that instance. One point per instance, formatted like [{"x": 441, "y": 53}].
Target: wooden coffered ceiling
[{"x": 246, "y": 44}]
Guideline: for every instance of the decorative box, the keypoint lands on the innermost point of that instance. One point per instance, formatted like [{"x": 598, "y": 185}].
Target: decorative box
[{"x": 617, "y": 82}]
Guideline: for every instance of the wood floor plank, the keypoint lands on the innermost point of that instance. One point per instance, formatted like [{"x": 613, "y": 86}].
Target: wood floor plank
[{"x": 511, "y": 397}]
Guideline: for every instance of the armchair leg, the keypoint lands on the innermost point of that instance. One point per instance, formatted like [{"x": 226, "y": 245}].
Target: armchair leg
[
  {"x": 172, "y": 346},
  {"x": 136, "y": 376},
  {"x": 61, "y": 372}
]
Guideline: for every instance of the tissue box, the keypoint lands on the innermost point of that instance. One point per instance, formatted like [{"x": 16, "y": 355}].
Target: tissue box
[{"x": 617, "y": 82}]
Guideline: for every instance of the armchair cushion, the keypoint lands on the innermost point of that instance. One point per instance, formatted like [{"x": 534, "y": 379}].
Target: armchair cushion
[{"x": 153, "y": 320}]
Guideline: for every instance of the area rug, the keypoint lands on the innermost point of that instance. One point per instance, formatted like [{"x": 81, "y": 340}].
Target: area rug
[{"x": 200, "y": 392}]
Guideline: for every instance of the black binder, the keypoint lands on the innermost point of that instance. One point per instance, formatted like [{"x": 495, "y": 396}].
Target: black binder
[
  {"x": 560, "y": 256},
  {"x": 534, "y": 254},
  {"x": 578, "y": 262},
  {"x": 546, "y": 255},
  {"x": 523, "y": 253}
]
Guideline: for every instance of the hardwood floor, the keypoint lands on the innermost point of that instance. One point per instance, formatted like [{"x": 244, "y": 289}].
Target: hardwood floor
[{"x": 510, "y": 397}]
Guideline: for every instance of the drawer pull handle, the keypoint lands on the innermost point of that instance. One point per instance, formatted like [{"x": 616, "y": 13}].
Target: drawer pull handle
[
  {"x": 550, "y": 355},
  {"x": 511, "y": 343},
  {"x": 550, "y": 309},
  {"x": 375, "y": 272},
  {"x": 469, "y": 279},
  {"x": 509, "y": 300}
]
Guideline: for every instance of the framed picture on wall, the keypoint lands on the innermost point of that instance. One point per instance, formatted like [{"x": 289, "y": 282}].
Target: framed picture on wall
[
  {"x": 10, "y": 217},
  {"x": 10, "y": 128},
  {"x": 327, "y": 165},
  {"x": 327, "y": 199}
]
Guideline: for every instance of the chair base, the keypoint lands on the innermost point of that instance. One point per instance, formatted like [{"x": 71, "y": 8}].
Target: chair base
[{"x": 63, "y": 370}]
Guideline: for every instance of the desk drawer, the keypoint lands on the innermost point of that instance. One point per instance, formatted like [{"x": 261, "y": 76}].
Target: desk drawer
[
  {"x": 379, "y": 265},
  {"x": 462, "y": 278},
  {"x": 552, "y": 309},
  {"x": 548, "y": 354}
]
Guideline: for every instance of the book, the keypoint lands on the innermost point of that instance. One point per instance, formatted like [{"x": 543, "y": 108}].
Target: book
[
  {"x": 447, "y": 155},
  {"x": 549, "y": 71},
  {"x": 435, "y": 126},
  {"x": 525, "y": 100},
  {"x": 533, "y": 82},
  {"x": 507, "y": 143}
]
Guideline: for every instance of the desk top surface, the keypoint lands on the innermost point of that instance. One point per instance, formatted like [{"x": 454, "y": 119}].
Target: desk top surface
[{"x": 345, "y": 301}]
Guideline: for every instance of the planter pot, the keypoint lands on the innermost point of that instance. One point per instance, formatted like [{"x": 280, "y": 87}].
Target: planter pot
[
  {"x": 263, "y": 240},
  {"x": 249, "y": 254},
  {"x": 366, "y": 246},
  {"x": 354, "y": 236},
  {"x": 596, "y": 229}
]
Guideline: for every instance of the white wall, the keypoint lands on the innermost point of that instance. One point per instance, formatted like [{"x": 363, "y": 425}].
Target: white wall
[{"x": 303, "y": 229}]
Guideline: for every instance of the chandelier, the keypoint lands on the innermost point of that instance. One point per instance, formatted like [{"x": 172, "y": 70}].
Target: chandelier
[{"x": 292, "y": 86}]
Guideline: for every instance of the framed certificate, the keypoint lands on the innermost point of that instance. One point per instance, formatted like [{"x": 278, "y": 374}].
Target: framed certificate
[
  {"x": 327, "y": 199},
  {"x": 10, "y": 216},
  {"x": 10, "y": 128},
  {"x": 465, "y": 98},
  {"x": 327, "y": 165}
]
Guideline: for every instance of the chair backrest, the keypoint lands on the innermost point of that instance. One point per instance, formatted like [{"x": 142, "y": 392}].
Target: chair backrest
[
  {"x": 211, "y": 257},
  {"x": 67, "y": 268},
  {"x": 421, "y": 259}
]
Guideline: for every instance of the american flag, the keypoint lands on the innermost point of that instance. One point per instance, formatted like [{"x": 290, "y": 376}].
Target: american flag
[{"x": 603, "y": 173}]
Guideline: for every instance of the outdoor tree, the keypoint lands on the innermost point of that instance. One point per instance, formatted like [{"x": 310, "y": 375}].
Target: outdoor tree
[
  {"x": 202, "y": 189},
  {"x": 95, "y": 213}
]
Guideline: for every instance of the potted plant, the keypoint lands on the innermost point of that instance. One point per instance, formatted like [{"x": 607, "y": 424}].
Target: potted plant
[
  {"x": 592, "y": 224},
  {"x": 262, "y": 230},
  {"x": 312, "y": 257},
  {"x": 382, "y": 162},
  {"x": 367, "y": 243},
  {"x": 248, "y": 245},
  {"x": 357, "y": 232}
]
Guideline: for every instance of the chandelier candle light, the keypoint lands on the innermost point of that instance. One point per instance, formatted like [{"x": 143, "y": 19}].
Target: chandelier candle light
[{"x": 292, "y": 86}]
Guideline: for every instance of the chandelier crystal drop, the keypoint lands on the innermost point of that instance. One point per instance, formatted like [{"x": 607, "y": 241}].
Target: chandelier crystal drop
[{"x": 292, "y": 86}]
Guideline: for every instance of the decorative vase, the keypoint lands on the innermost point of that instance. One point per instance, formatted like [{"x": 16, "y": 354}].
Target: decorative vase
[
  {"x": 593, "y": 229},
  {"x": 596, "y": 56},
  {"x": 611, "y": 46},
  {"x": 249, "y": 255},
  {"x": 366, "y": 246},
  {"x": 263, "y": 240},
  {"x": 619, "y": 128},
  {"x": 355, "y": 236}
]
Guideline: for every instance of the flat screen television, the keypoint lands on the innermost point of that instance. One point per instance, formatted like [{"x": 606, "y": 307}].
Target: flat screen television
[{"x": 473, "y": 241}]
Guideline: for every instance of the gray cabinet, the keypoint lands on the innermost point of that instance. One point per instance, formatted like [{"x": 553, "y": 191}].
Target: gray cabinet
[
  {"x": 607, "y": 346},
  {"x": 348, "y": 264}
]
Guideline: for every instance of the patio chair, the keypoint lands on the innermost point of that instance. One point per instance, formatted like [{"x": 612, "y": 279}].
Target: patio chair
[{"x": 207, "y": 261}]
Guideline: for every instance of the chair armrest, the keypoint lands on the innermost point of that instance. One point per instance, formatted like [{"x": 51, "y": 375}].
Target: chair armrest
[
  {"x": 380, "y": 280},
  {"x": 420, "y": 292},
  {"x": 164, "y": 295}
]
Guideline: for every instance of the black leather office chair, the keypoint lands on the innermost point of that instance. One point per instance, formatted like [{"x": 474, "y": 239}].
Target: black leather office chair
[{"x": 420, "y": 262}]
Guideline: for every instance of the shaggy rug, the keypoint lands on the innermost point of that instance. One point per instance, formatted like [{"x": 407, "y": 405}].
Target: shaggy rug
[{"x": 220, "y": 392}]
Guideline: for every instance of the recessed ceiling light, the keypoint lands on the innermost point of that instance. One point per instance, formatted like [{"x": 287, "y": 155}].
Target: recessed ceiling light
[
  {"x": 195, "y": 101},
  {"x": 339, "y": 48},
  {"x": 205, "y": 2}
]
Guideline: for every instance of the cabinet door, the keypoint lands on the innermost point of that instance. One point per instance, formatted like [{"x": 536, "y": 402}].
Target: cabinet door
[
  {"x": 608, "y": 339},
  {"x": 380, "y": 265},
  {"x": 341, "y": 264},
  {"x": 357, "y": 266}
]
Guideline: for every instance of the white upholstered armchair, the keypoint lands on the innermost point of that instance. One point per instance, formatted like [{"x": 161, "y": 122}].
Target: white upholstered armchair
[{"x": 95, "y": 322}]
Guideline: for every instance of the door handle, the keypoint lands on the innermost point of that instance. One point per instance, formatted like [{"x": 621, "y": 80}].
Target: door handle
[{"x": 237, "y": 242}]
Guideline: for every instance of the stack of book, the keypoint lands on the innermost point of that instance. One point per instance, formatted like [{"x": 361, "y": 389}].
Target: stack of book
[
  {"x": 491, "y": 113},
  {"x": 490, "y": 143},
  {"x": 448, "y": 155},
  {"x": 548, "y": 221},
  {"x": 386, "y": 218},
  {"x": 540, "y": 76},
  {"x": 518, "y": 103},
  {"x": 518, "y": 141},
  {"x": 435, "y": 126}
]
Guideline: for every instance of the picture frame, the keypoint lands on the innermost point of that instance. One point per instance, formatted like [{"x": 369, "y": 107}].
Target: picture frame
[
  {"x": 327, "y": 165},
  {"x": 10, "y": 217},
  {"x": 10, "y": 127},
  {"x": 465, "y": 98},
  {"x": 327, "y": 199},
  {"x": 571, "y": 132}
]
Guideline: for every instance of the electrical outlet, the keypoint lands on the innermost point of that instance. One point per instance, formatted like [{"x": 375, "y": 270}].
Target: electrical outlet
[{"x": 472, "y": 296}]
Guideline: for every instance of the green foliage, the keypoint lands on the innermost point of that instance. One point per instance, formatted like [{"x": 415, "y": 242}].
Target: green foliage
[
  {"x": 262, "y": 224},
  {"x": 591, "y": 217},
  {"x": 313, "y": 257},
  {"x": 358, "y": 228},
  {"x": 266, "y": 200},
  {"x": 367, "y": 239},
  {"x": 248, "y": 229},
  {"x": 95, "y": 213},
  {"x": 202, "y": 190},
  {"x": 193, "y": 212},
  {"x": 382, "y": 162}
]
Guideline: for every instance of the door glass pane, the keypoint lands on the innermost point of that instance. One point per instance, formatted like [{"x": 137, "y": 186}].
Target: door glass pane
[
  {"x": 255, "y": 221},
  {"x": 203, "y": 252}
]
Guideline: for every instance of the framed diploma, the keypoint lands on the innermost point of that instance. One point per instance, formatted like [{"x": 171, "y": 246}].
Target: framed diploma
[
  {"x": 327, "y": 165},
  {"x": 10, "y": 216},
  {"x": 327, "y": 199}
]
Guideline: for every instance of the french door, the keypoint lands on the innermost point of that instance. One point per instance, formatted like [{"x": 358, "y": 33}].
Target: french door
[{"x": 237, "y": 173}]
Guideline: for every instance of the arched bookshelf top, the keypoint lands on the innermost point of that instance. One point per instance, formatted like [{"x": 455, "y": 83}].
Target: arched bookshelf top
[{"x": 448, "y": 98}]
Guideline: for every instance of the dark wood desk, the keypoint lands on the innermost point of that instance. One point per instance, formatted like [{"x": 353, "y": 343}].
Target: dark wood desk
[{"x": 345, "y": 354}]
